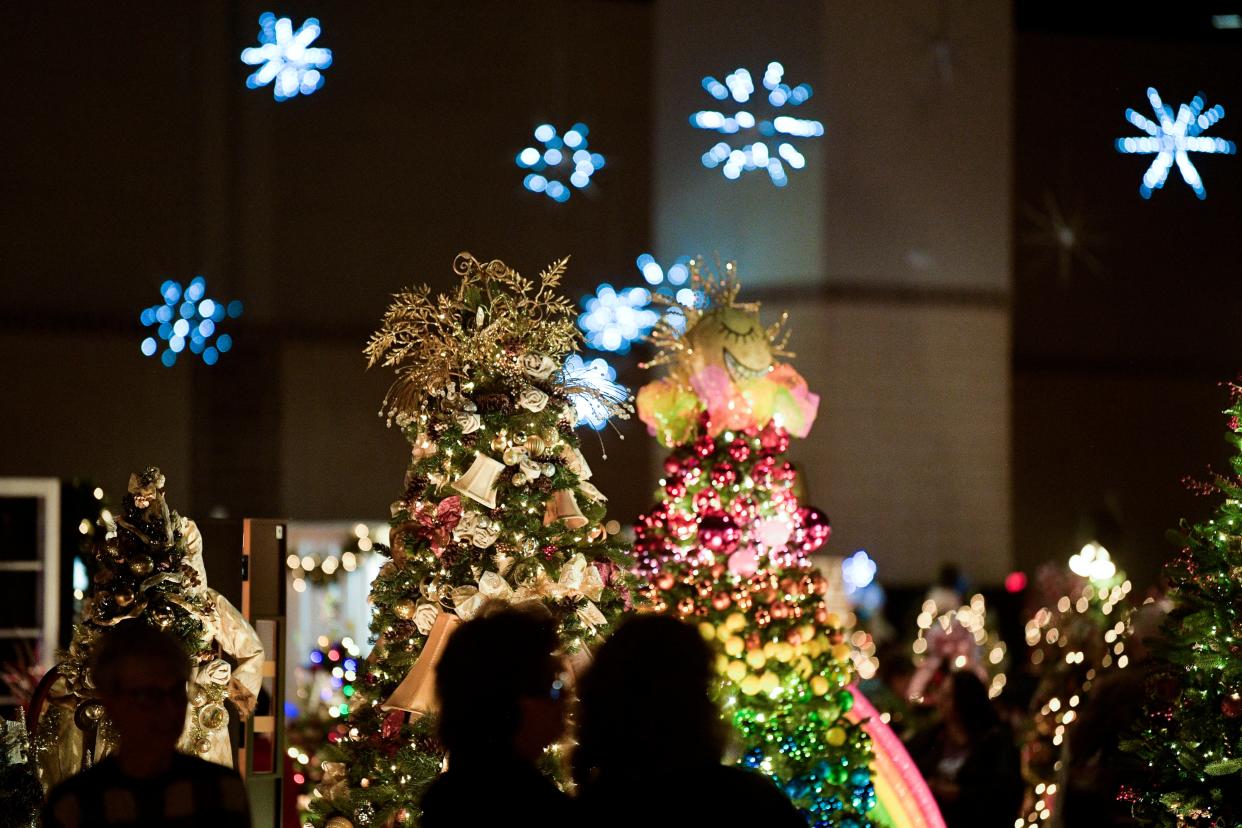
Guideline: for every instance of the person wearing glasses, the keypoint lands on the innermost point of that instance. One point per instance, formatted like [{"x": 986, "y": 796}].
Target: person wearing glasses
[
  {"x": 141, "y": 674},
  {"x": 500, "y": 685}
]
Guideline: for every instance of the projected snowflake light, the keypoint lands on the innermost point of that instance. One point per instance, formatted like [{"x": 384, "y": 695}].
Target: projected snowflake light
[
  {"x": 776, "y": 128},
  {"x": 286, "y": 57},
  {"x": 615, "y": 319},
  {"x": 596, "y": 373},
  {"x": 670, "y": 283},
  {"x": 188, "y": 321},
  {"x": 1172, "y": 138},
  {"x": 858, "y": 571},
  {"x": 563, "y": 156}
]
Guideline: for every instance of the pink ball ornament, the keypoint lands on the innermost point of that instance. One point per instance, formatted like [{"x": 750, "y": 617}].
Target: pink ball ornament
[
  {"x": 744, "y": 562},
  {"x": 815, "y": 529},
  {"x": 774, "y": 439},
  {"x": 773, "y": 532},
  {"x": 764, "y": 470},
  {"x": 723, "y": 475},
  {"x": 681, "y": 525},
  {"x": 719, "y": 533},
  {"x": 672, "y": 466}
]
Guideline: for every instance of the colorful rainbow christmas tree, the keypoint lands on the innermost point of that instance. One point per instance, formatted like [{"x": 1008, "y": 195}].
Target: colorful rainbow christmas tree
[
  {"x": 728, "y": 547},
  {"x": 497, "y": 506}
]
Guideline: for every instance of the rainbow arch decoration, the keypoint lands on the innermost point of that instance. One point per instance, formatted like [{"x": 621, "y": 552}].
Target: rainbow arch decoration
[{"x": 903, "y": 799}]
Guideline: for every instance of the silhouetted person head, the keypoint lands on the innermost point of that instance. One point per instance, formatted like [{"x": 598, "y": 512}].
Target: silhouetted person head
[
  {"x": 965, "y": 703},
  {"x": 141, "y": 676},
  {"x": 499, "y": 684},
  {"x": 645, "y": 701}
]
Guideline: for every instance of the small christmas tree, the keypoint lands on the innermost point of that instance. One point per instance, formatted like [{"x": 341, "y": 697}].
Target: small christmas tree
[
  {"x": 147, "y": 567},
  {"x": 728, "y": 547},
  {"x": 1077, "y": 633},
  {"x": 497, "y": 505},
  {"x": 1191, "y": 736}
]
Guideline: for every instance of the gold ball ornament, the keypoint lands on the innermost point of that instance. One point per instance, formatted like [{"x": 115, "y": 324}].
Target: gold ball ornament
[
  {"x": 161, "y": 616},
  {"x": 756, "y": 659},
  {"x": 513, "y": 455},
  {"x": 835, "y": 736},
  {"x": 338, "y": 822},
  {"x": 769, "y": 682},
  {"x": 707, "y": 630},
  {"x": 197, "y": 697},
  {"x": 88, "y": 715},
  {"x": 535, "y": 445},
  {"x": 404, "y": 609},
  {"x": 213, "y": 717},
  {"x": 500, "y": 442},
  {"x": 734, "y": 646},
  {"x": 750, "y": 684},
  {"x": 141, "y": 565},
  {"x": 123, "y": 597},
  {"x": 202, "y": 745},
  {"x": 736, "y": 671},
  {"x": 819, "y": 685}
]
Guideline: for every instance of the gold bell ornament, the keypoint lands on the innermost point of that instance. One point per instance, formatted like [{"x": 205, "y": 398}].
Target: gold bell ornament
[
  {"x": 563, "y": 506},
  {"x": 416, "y": 693},
  {"x": 479, "y": 481}
]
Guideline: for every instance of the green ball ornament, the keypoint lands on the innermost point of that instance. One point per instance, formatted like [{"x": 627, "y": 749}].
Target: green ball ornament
[{"x": 846, "y": 701}]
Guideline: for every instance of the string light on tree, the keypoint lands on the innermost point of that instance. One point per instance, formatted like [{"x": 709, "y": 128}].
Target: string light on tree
[
  {"x": 187, "y": 320},
  {"x": 777, "y": 132},
  {"x": 1171, "y": 138},
  {"x": 562, "y": 156},
  {"x": 1076, "y": 635},
  {"x": 285, "y": 58}
]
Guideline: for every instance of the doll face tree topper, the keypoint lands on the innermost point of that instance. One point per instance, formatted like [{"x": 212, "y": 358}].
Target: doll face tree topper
[{"x": 722, "y": 364}]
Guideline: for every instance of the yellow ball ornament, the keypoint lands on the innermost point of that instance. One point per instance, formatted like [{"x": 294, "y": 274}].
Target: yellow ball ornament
[
  {"x": 708, "y": 631},
  {"x": 841, "y": 651},
  {"x": 756, "y": 659},
  {"x": 736, "y": 621},
  {"x": 769, "y": 682},
  {"x": 722, "y": 662},
  {"x": 835, "y": 736},
  {"x": 784, "y": 652},
  {"x": 750, "y": 684},
  {"x": 819, "y": 686},
  {"x": 736, "y": 671},
  {"x": 734, "y": 646}
]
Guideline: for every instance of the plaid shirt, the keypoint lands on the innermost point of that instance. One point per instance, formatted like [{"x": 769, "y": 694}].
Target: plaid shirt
[{"x": 192, "y": 793}]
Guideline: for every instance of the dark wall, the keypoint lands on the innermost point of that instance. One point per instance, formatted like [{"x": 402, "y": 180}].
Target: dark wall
[{"x": 1118, "y": 347}]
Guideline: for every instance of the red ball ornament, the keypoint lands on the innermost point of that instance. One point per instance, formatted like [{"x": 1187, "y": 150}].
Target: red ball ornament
[
  {"x": 743, "y": 510},
  {"x": 762, "y": 617},
  {"x": 719, "y": 533},
  {"x": 821, "y": 614},
  {"x": 707, "y": 501},
  {"x": 780, "y": 610},
  {"x": 721, "y": 601},
  {"x": 672, "y": 466},
  {"x": 705, "y": 446},
  {"x": 685, "y": 606},
  {"x": 1231, "y": 706},
  {"x": 739, "y": 450},
  {"x": 763, "y": 470},
  {"x": 774, "y": 439},
  {"x": 723, "y": 476},
  {"x": 815, "y": 529},
  {"x": 675, "y": 489},
  {"x": 664, "y": 581}
]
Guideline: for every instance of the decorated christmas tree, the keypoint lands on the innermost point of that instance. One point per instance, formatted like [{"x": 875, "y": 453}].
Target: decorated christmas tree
[
  {"x": 497, "y": 506},
  {"x": 1191, "y": 736},
  {"x": 1076, "y": 633},
  {"x": 147, "y": 567},
  {"x": 728, "y": 544}
]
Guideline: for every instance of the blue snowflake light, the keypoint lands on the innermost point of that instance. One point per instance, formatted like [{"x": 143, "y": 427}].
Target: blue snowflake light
[
  {"x": 598, "y": 374},
  {"x": 774, "y": 127},
  {"x": 614, "y": 319},
  {"x": 858, "y": 571},
  {"x": 1172, "y": 138},
  {"x": 564, "y": 156},
  {"x": 287, "y": 57},
  {"x": 188, "y": 321}
]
